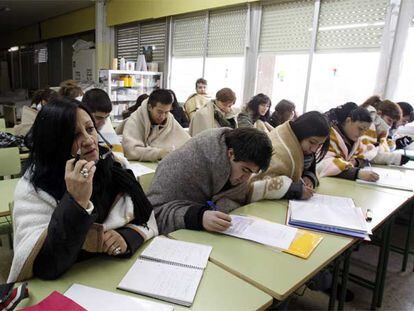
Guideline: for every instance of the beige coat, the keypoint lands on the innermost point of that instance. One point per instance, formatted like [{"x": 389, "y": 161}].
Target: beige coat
[
  {"x": 203, "y": 119},
  {"x": 144, "y": 142},
  {"x": 286, "y": 166},
  {"x": 195, "y": 102}
]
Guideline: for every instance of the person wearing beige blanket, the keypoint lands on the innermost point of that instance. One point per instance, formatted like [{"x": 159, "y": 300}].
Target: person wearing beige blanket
[
  {"x": 216, "y": 113},
  {"x": 151, "y": 132},
  {"x": 197, "y": 100},
  {"x": 297, "y": 147},
  {"x": 74, "y": 200}
]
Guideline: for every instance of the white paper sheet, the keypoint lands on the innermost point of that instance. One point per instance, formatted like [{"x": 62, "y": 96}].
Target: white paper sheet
[
  {"x": 101, "y": 300},
  {"x": 140, "y": 170},
  {"x": 391, "y": 178},
  {"x": 261, "y": 231}
]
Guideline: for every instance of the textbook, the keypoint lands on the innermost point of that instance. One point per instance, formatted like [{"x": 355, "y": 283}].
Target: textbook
[
  {"x": 169, "y": 270},
  {"x": 328, "y": 213},
  {"x": 391, "y": 178},
  {"x": 290, "y": 240},
  {"x": 97, "y": 299}
]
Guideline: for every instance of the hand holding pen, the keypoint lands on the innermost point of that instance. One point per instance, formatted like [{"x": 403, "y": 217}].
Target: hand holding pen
[
  {"x": 214, "y": 220},
  {"x": 307, "y": 191}
]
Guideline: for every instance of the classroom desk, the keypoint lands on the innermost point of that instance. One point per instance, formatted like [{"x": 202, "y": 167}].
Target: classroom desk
[
  {"x": 276, "y": 273},
  {"x": 280, "y": 274},
  {"x": 218, "y": 290},
  {"x": 145, "y": 180},
  {"x": 7, "y": 187}
]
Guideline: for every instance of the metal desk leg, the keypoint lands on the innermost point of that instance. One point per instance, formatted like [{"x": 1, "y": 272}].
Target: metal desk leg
[
  {"x": 344, "y": 282},
  {"x": 387, "y": 242},
  {"x": 335, "y": 278},
  {"x": 408, "y": 239}
]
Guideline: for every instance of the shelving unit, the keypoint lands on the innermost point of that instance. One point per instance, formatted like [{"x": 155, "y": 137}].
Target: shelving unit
[{"x": 124, "y": 87}]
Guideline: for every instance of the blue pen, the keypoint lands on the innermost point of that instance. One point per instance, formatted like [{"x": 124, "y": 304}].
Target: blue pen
[{"x": 212, "y": 205}]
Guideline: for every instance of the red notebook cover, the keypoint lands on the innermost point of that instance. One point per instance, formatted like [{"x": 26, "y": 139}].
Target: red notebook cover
[{"x": 56, "y": 302}]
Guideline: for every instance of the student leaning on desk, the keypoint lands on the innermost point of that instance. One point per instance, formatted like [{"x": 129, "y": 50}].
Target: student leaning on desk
[
  {"x": 346, "y": 154},
  {"x": 74, "y": 199},
  {"x": 212, "y": 166},
  {"x": 297, "y": 146}
]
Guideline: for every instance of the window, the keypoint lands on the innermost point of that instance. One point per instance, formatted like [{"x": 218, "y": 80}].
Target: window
[
  {"x": 338, "y": 78},
  {"x": 405, "y": 89},
  {"x": 210, "y": 45},
  {"x": 285, "y": 40},
  {"x": 347, "y": 52}
]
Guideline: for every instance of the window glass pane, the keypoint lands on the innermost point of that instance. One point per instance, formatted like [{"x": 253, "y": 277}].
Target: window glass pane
[
  {"x": 184, "y": 73},
  {"x": 283, "y": 77},
  {"x": 405, "y": 89},
  {"x": 223, "y": 72},
  {"x": 338, "y": 78}
]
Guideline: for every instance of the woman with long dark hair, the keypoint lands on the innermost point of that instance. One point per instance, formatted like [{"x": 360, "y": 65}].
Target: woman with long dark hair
[
  {"x": 346, "y": 155},
  {"x": 256, "y": 113},
  {"x": 74, "y": 199},
  {"x": 297, "y": 147}
]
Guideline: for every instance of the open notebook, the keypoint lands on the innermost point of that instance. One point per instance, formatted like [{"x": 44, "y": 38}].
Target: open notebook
[
  {"x": 330, "y": 214},
  {"x": 169, "y": 270},
  {"x": 101, "y": 300},
  {"x": 391, "y": 178},
  {"x": 291, "y": 240}
]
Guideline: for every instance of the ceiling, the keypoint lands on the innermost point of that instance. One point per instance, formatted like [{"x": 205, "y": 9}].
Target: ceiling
[{"x": 21, "y": 13}]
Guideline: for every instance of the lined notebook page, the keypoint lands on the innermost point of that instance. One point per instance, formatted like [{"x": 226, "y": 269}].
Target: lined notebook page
[
  {"x": 167, "y": 282},
  {"x": 328, "y": 210},
  {"x": 101, "y": 300},
  {"x": 261, "y": 231},
  {"x": 185, "y": 253}
]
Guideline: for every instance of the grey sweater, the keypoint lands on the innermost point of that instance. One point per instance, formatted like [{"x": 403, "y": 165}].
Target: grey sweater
[{"x": 190, "y": 176}]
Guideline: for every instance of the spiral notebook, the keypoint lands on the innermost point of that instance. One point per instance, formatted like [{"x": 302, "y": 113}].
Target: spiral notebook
[{"x": 169, "y": 270}]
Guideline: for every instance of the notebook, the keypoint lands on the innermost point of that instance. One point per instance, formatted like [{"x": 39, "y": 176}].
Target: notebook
[
  {"x": 169, "y": 270},
  {"x": 140, "y": 170},
  {"x": 101, "y": 300},
  {"x": 328, "y": 213},
  {"x": 407, "y": 166},
  {"x": 291, "y": 240},
  {"x": 391, "y": 178}
]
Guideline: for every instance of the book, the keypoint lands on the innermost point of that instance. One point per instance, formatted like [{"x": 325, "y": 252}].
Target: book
[
  {"x": 97, "y": 299},
  {"x": 391, "y": 178},
  {"x": 300, "y": 243},
  {"x": 169, "y": 270},
  {"x": 328, "y": 213}
]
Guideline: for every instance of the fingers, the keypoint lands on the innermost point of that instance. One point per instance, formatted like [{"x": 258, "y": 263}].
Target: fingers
[
  {"x": 114, "y": 243},
  {"x": 222, "y": 223},
  {"x": 69, "y": 165},
  {"x": 223, "y": 216}
]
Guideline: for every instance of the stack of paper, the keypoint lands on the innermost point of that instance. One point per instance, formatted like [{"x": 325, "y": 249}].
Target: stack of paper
[
  {"x": 169, "y": 270},
  {"x": 391, "y": 178},
  {"x": 328, "y": 213}
]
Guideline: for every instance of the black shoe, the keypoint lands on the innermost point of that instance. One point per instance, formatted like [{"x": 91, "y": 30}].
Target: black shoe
[{"x": 349, "y": 296}]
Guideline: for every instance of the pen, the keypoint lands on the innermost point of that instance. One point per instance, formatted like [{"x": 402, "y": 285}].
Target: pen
[{"x": 212, "y": 205}]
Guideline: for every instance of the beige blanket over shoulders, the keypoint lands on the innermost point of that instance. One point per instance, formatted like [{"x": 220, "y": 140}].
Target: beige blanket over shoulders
[{"x": 143, "y": 142}]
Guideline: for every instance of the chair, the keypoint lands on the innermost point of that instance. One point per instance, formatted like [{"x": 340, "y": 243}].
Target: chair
[
  {"x": 2, "y": 123},
  {"x": 9, "y": 162},
  {"x": 9, "y": 112}
]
